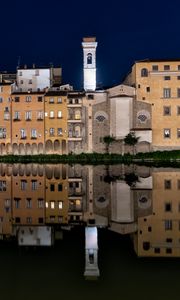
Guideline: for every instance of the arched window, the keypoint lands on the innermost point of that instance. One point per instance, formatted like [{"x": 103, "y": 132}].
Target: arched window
[
  {"x": 144, "y": 72},
  {"x": 89, "y": 58}
]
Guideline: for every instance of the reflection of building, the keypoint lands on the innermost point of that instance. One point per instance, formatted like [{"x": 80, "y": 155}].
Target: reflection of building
[
  {"x": 158, "y": 232},
  {"x": 56, "y": 195},
  {"x": 91, "y": 253}
]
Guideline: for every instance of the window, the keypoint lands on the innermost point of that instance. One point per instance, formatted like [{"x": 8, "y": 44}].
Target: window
[
  {"x": 23, "y": 133},
  {"x": 28, "y": 98},
  {"x": 167, "y": 110},
  {"x": 148, "y": 89},
  {"x": 34, "y": 185},
  {"x": 59, "y": 114},
  {"x": 167, "y": 184},
  {"x": 1, "y": 89},
  {"x": 178, "y": 110},
  {"x": 16, "y": 99},
  {"x": 144, "y": 72},
  {"x": 28, "y": 203},
  {"x": 40, "y": 220},
  {"x": 178, "y": 133},
  {"x": 17, "y": 220},
  {"x": 154, "y": 67},
  {"x": 77, "y": 115},
  {"x": 2, "y": 133},
  {"x": 168, "y": 207},
  {"x": 23, "y": 184},
  {"x": 167, "y": 78},
  {"x": 168, "y": 224},
  {"x": 178, "y": 93},
  {"x": 40, "y": 203},
  {"x": 21, "y": 81},
  {"x": 167, "y": 133},
  {"x": 52, "y": 187},
  {"x": 16, "y": 115},
  {"x": 2, "y": 186},
  {"x": 51, "y": 114},
  {"x": 29, "y": 220},
  {"x": 169, "y": 240},
  {"x": 6, "y": 115},
  {"x": 156, "y": 250},
  {"x": 60, "y": 187},
  {"x": 168, "y": 250},
  {"x": 7, "y": 203},
  {"x": 178, "y": 77},
  {"x": 167, "y": 93},
  {"x": 28, "y": 115},
  {"x": 33, "y": 133},
  {"x": 76, "y": 101},
  {"x": 1, "y": 99},
  {"x": 40, "y": 115},
  {"x": 17, "y": 202},
  {"x": 52, "y": 204},
  {"x": 166, "y": 67},
  {"x": 59, "y": 100},
  {"x": 51, "y": 100},
  {"x": 30, "y": 81},
  {"x": 36, "y": 72},
  {"x": 89, "y": 58},
  {"x": 40, "y": 99},
  {"x": 179, "y": 67},
  {"x": 60, "y": 204},
  {"x": 59, "y": 131},
  {"x": 51, "y": 131},
  {"x": 20, "y": 73}
]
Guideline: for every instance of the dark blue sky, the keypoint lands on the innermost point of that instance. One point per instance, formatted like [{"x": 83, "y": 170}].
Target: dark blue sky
[{"x": 42, "y": 32}]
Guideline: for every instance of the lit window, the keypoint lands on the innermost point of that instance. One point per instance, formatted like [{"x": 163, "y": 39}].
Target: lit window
[
  {"x": 59, "y": 114},
  {"x": 60, "y": 204},
  {"x": 52, "y": 204},
  {"x": 51, "y": 114}
]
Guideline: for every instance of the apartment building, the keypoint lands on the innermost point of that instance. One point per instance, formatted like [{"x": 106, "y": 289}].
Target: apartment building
[
  {"x": 27, "y": 134},
  {"x": 37, "y": 78},
  {"x": 55, "y": 122},
  {"x": 157, "y": 82}
]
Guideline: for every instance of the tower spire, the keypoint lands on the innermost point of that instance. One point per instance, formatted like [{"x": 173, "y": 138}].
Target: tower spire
[{"x": 89, "y": 45}]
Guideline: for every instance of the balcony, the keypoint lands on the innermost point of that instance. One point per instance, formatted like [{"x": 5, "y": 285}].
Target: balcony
[
  {"x": 16, "y": 119},
  {"x": 39, "y": 119},
  {"x": 34, "y": 138},
  {"x": 23, "y": 137},
  {"x": 28, "y": 119}
]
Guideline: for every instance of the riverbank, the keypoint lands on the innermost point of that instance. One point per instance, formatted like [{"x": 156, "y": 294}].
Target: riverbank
[{"x": 151, "y": 158}]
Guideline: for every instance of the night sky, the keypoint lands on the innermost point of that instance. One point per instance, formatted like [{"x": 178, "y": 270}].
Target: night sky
[{"x": 44, "y": 32}]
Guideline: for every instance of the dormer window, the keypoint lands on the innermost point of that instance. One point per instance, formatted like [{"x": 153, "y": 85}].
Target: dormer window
[{"x": 89, "y": 58}]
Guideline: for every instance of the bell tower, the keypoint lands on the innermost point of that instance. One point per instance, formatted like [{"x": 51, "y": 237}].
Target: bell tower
[{"x": 89, "y": 45}]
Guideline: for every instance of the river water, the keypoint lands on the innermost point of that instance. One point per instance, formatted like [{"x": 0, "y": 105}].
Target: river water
[{"x": 87, "y": 232}]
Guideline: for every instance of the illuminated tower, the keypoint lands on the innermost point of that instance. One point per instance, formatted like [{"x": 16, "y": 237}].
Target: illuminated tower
[{"x": 89, "y": 45}]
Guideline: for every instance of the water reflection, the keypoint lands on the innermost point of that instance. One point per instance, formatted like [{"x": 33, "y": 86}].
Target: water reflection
[{"x": 39, "y": 202}]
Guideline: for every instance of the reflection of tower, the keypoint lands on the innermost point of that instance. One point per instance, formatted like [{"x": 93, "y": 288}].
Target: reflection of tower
[
  {"x": 91, "y": 268},
  {"x": 89, "y": 51}
]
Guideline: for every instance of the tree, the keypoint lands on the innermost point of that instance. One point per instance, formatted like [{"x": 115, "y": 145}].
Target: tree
[
  {"x": 108, "y": 140},
  {"x": 131, "y": 139}
]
